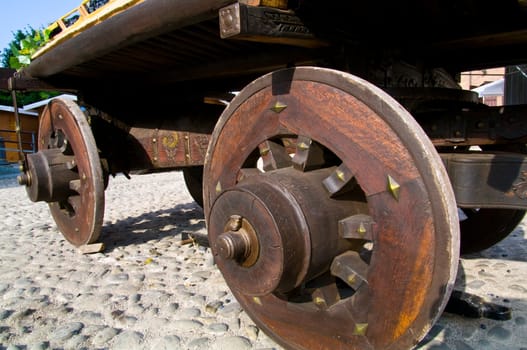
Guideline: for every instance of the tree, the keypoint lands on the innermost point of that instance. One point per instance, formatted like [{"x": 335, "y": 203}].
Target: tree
[{"x": 24, "y": 44}]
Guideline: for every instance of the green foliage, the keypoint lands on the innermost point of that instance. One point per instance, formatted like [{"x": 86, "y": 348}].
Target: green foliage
[
  {"x": 24, "y": 44},
  {"x": 18, "y": 36},
  {"x": 22, "y": 50},
  {"x": 25, "y": 98}
]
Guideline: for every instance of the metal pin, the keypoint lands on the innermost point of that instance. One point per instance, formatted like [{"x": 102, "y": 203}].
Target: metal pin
[
  {"x": 352, "y": 279},
  {"x": 361, "y": 230},
  {"x": 319, "y": 301},
  {"x": 278, "y": 107},
  {"x": 302, "y": 146},
  {"x": 257, "y": 301},
  {"x": 235, "y": 222},
  {"x": 360, "y": 329},
  {"x": 218, "y": 187},
  {"x": 340, "y": 175},
  {"x": 393, "y": 187}
]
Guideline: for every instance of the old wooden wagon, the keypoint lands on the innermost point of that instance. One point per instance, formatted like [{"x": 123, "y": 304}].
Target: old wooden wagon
[{"x": 328, "y": 142}]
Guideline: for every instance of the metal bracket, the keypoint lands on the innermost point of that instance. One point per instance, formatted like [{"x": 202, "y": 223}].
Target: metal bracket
[
  {"x": 488, "y": 180},
  {"x": 478, "y": 126},
  {"x": 473, "y": 306},
  {"x": 11, "y": 80},
  {"x": 265, "y": 24}
]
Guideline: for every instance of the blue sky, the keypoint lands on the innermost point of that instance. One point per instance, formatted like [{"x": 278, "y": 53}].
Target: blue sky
[{"x": 18, "y": 14}]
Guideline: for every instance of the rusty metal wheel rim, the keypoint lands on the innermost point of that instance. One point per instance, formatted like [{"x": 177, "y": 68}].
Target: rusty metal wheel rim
[
  {"x": 64, "y": 126},
  {"x": 277, "y": 105}
]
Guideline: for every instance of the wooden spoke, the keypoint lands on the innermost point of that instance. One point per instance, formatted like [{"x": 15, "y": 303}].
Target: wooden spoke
[
  {"x": 75, "y": 185},
  {"x": 358, "y": 226},
  {"x": 350, "y": 268},
  {"x": 327, "y": 294},
  {"x": 274, "y": 156},
  {"x": 75, "y": 202},
  {"x": 245, "y": 173},
  {"x": 340, "y": 181},
  {"x": 308, "y": 155}
]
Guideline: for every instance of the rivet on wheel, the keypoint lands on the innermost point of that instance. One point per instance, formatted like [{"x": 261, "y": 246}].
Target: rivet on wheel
[
  {"x": 218, "y": 187},
  {"x": 257, "y": 301},
  {"x": 278, "y": 107},
  {"x": 264, "y": 152},
  {"x": 352, "y": 279},
  {"x": 235, "y": 222},
  {"x": 356, "y": 227},
  {"x": 361, "y": 230},
  {"x": 319, "y": 301},
  {"x": 340, "y": 175},
  {"x": 360, "y": 329},
  {"x": 302, "y": 146},
  {"x": 393, "y": 187}
]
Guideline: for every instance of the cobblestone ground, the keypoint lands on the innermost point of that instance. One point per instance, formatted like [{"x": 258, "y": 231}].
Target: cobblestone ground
[{"x": 147, "y": 291}]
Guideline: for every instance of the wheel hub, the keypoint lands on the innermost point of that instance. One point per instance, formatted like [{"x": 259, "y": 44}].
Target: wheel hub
[
  {"x": 49, "y": 176},
  {"x": 263, "y": 236}
]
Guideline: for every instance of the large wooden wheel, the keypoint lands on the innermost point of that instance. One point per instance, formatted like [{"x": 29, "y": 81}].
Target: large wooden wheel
[
  {"x": 329, "y": 213},
  {"x": 66, "y": 172},
  {"x": 485, "y": 227},
  {"x": 193, "y": 177}
]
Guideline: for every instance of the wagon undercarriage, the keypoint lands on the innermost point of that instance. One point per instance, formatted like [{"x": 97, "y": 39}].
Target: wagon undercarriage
[{"x": 333, "y": 181}]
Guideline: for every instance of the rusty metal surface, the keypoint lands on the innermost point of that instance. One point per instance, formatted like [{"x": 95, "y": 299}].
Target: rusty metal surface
[
  {"x": 263, "y": 24},
  {"x": 411, "y": 230},
  {"x": 170, "y": 149},
  {"x": 79, "y": 210},
  {"x": 152, "y": 144},
  {"x": 489, "y": 189},
  {"x": 488, "y": 179}
]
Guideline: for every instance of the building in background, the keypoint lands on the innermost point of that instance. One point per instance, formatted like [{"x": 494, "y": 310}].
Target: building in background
[
  {"x": 488, "y": 83},
  {"x": 8, "y": 136},
  {"x": 28, "y": 126}
]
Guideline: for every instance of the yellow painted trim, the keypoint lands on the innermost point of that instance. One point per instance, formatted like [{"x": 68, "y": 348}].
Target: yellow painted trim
[{"x": 112, "y": 8}]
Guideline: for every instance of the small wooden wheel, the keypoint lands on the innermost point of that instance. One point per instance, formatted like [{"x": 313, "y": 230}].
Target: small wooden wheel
[
  {"x": 329, "y": 213},
  {"x": 66, "y": 172}
]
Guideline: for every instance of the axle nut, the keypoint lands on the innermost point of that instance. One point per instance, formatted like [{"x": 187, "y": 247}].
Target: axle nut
[
  {"x": 24, "y": 179},
  {"x": 233, "y": 246}
]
